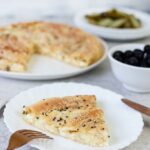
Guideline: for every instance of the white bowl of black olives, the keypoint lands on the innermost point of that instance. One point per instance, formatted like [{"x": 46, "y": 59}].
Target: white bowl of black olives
[{"x": 131, "y": 65}]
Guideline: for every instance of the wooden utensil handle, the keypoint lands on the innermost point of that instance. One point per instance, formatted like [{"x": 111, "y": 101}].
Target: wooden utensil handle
[{"x": 143, "y": 109}]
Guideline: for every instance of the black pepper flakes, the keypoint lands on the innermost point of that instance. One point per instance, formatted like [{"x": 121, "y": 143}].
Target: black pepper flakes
[
  {"x": 54, "y": 118},
  {"x": 83, "y": 125},
  {"x": 46, "y": 114},
  {"x": 89, "y": 120},
  {"x": 60, "y": 119},
  {"x": 24, "y": 112}
]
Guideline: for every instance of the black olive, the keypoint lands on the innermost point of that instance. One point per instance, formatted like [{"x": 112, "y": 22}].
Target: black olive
[
  {"x": 138, "y": 54},
  {"x": 147, "y": 49},
  {"x": 128, "y": 54},
  {"x": 133, "y": 61},
  {"x": 118, "y": 55}
]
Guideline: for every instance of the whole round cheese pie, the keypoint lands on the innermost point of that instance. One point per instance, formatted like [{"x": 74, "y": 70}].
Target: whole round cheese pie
[{"x": 18, "y": 42}]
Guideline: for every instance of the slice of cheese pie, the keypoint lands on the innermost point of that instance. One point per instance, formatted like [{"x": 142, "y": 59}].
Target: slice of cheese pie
[{"x": 73, "y": 117}]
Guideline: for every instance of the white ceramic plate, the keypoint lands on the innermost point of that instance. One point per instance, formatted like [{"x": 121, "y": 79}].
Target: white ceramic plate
[
  {"x": 115, "y": 34},
  {"x": 125, "y": 124},
  {"x": 43, "y": 68}
]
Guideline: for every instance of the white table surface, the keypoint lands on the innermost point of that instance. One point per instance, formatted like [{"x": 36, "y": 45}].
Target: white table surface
[{"x": 101, "y": 76}]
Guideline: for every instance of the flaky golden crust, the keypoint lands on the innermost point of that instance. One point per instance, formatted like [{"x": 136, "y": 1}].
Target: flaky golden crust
[
  {"x": 59, "y": 41},
  {"x": 73, "y": 117},
  {"x": 59, "y": 103}
]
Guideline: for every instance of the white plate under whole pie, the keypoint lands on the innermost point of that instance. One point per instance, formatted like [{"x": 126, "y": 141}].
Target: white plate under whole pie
[
  {"x": 43, "y": 68},
  {"x": 124, "y": 123}
]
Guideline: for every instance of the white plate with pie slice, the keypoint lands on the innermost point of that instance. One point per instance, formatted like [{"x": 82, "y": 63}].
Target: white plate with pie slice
[
  {"x": 124, "y": 123},
  {"x": 44, "y": 68},
  {"x": 111, "y": 33}
]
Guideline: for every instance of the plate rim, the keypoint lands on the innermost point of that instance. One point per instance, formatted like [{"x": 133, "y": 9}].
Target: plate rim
[{"x": 127, "y": 143}]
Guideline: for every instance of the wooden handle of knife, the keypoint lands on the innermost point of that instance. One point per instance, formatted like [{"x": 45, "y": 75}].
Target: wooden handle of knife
[{"x": 143, "y": 109}]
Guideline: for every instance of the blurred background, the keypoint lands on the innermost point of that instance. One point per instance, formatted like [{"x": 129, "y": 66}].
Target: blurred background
[{"x": 30, "y": 8}]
